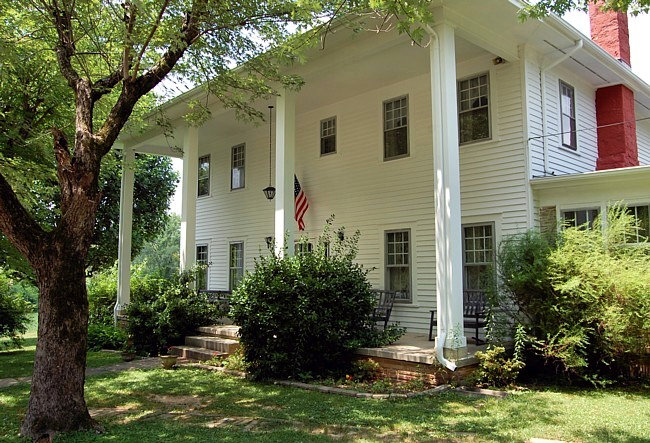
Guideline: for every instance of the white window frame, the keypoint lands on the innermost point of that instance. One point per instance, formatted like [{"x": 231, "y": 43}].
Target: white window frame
[
  {"x": 241, "y": 168},
  {"x": 328, "y": 128},
  {"x": 587, "y": 211},
  {"x": 231, "y": 285},
  {"x": 202, "y": 159},
  {"x": 634, "y": 209},
  {"x": 385, "y": 123},
  {"x": 205, "y": 261},
  {"x": 493, "y": 248},
  {"x": 409, "y": 255},
  {"x": 459, "y": 101},
  {"x": 572, "y": 116}
]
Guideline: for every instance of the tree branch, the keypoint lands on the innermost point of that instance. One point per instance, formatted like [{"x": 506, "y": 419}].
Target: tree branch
[
  {"x": 154, "y": 28},
  {"x": 16, "y": 223},
  {"x": 65, "y": 48},
  {"x": 133, "y": 90}
]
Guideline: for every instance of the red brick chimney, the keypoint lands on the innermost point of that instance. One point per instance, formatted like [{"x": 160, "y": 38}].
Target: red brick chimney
[{"x": 617, "y": 146}]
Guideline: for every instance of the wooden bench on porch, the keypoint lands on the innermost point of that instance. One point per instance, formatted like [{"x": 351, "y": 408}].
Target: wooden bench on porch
[{"x": 474, "y": 314}]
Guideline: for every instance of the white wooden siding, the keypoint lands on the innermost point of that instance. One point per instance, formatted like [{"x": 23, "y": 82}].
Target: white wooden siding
[
  {"x": 561, "y": 160},
  {"x": 643, "y": 141},
  {"x": 370, "y": 194}
]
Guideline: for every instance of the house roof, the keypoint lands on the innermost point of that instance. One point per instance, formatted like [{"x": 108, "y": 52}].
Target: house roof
[{"x": 549, "y": 36}]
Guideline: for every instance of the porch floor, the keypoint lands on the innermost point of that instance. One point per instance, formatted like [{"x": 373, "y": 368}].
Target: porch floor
[{"x": 417, "y": 348}]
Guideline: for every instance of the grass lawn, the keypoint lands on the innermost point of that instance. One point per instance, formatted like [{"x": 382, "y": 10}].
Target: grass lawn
[
  {"x": 195, "y": 405},
  {"x": 20, "y": 362}
]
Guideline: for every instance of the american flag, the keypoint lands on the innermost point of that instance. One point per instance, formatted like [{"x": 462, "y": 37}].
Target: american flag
[{"x": 300, "y": 203}]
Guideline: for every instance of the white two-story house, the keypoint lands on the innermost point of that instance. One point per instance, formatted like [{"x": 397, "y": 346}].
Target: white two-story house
[{"x": 434, "y": 152}]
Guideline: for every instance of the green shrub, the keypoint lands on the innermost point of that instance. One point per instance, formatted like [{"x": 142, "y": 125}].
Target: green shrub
[
  {"x": 102, "y": 336},
  {"x": 495, "y": 369},
  {"x": 102, "y": 291},
  {"x": 584, "y": 299},
  {"x": 303, "y": 316},
  {"x": 14, "y": 312},
  {"x": 162, "y": 312},
  {"x": 363, "y": 371}
]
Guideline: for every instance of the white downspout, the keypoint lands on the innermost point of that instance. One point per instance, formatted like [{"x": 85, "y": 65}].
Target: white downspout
[
  {"x": 542, "y": 92},
  {"x": 438, "y": 127}
]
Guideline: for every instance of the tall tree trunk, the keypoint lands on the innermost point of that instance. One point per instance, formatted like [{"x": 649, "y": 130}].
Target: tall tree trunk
[{"x": 56, "y": 402}]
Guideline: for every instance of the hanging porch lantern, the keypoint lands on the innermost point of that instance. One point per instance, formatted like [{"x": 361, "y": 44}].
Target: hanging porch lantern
[{"x": 269, "y": 191}]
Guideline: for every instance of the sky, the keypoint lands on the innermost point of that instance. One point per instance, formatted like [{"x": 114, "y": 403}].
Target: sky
[{"x": 639, "y": 38}]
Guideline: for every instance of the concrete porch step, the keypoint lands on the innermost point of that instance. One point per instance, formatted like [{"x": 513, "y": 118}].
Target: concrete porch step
[
  {"x": 220, "y": 344},
  {"x": 195, "y": 353},
  {"x": 225, "y": 331}
]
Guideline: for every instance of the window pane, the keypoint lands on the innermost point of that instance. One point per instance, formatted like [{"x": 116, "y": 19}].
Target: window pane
[
  {"x": 474, "y": 125},
  {"x": 237, "y": 167},
  {"x": 395, "y": 128},
  {"x": 202, "y": 259},
  {"x": 398, "y": 279},
  {"x": 204, "y": 176},
  {"x": 328, "y": 136},
  {"x": 395, "y": 143},
  {"x": 236, "y": 264}
]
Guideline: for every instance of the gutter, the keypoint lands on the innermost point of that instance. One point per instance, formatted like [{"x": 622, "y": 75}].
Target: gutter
[
  {"x": 542, "y": 90},
  {"x": 441, "y": 333}
]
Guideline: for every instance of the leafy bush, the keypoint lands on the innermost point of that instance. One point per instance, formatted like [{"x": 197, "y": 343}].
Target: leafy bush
[
  {"x": 14, "y": 311},
  {"x": 102, "y": 336},
  {"x": 102, "y": 291},
  {"x": 584, "y": 299},
  {"x": 363, "y": 371},
  {"x": 495, "y": 369},
  {"x": 303, "y": 316},
  {"x": 164, "y": 311}
]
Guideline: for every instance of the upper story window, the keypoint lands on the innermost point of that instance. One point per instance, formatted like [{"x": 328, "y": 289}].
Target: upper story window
[
  {"x": 328, "y": 136},
  {"x": 238, "y": 160},
  {"x": 568, "y": 116},
  {"x": 236, "y": 264},
  {"x": 582, "y": 218},
  {"x": 202, "y": 274},
  {"x": 473, "y": 109},
  {"x": 478, "y": 256},
  {"x": 396, "y": 128},
  {"x": 642, "y": 229},
  {"x": 204, "y": 176},
  {"x": 398, "y": 263}
]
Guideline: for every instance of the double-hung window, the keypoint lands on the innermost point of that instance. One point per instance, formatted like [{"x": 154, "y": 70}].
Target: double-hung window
[
  {"x": 204, "y": 176},
  {"x": 398, "y": 263},
  {"x": 236, "y": 264},
  {"x": 478, "y": 256},
  {"x": 473, "y": 109},
  {"x": 568, "y": 116},
  {"x": 202, "y": 261},
  {"x": 328, "y": 136},
  {"x": 396, "y": 128},
  {"x": 580, "y": 218},
  {"x": 238, "y": 163},
  {"x": 642, "y": 228}
]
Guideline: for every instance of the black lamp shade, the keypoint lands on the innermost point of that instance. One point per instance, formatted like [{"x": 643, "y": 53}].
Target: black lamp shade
[{"x": 269, "y": 192}]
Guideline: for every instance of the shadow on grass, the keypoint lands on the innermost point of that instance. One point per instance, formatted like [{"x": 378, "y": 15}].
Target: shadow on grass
[
  {"x": 444, "y": 416},
  {"x": 194, "y": 405}
]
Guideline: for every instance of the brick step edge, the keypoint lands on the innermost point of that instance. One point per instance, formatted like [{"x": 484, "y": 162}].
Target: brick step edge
[
  {"x": 222, "y": 331},
  {"x": 195, "y": 353},
  {"x": 218, "y": 344}
]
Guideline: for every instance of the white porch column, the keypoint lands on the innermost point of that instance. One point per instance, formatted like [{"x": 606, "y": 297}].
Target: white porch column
[
  {"x": 188, "y": 197},
  {"x": 285, "y": 153},
  {"x": 449, "y": 263},
  {"x": 125, "y": 232}
]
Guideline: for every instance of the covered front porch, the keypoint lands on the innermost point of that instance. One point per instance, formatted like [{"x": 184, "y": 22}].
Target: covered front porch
[{"x": 439, "y": 277}]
